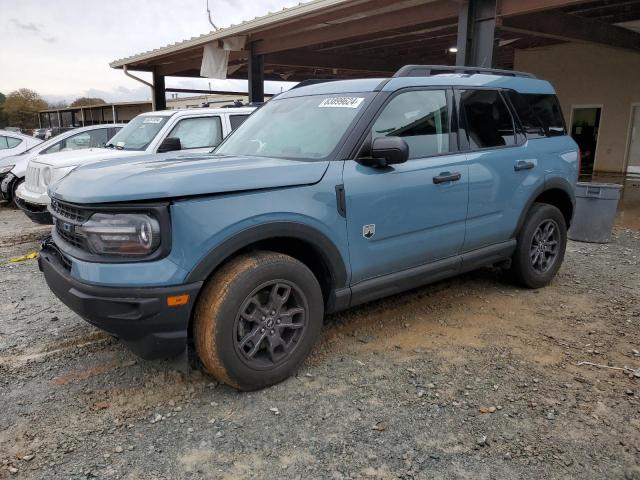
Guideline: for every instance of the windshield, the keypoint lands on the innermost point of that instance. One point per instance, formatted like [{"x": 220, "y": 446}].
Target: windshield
[
  {"x": 138, "y": 133},
  {"x": 308, "y": 128}
]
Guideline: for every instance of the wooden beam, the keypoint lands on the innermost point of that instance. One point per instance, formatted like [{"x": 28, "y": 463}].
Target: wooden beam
[
  {"x": 571, "y": 28},
  {"x": 342, "y": 13},
  {"x": 431, "y": 12},
  {"x": 507, "y": 8},
  {"x": 300, "y": 58}
]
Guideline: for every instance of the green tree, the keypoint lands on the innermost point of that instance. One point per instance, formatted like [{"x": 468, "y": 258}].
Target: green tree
[
  {"x": 3, "y": 114},
  {"x": 22, "y": 108},
  {"x": 87, "y": 102}
]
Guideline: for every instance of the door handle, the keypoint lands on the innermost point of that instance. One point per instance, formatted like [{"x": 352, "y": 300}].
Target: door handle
[
  {"x": 447, "y": 177},
  {"x": 523, "y": 165}
]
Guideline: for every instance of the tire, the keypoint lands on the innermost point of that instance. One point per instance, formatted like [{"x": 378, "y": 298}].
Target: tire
[
  {"x": 14, "y": 189},
  {"x": 225, "y": 340},
  {"x": 532, "y": 264}
]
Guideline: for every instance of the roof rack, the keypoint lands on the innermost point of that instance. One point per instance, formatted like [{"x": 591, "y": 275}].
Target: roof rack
[{"x": 429, "y": 70}]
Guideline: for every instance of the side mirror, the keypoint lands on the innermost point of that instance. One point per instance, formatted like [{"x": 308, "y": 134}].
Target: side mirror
[
  {"x": 387, "y": 151},
  {"x": 170, "y": 144}
]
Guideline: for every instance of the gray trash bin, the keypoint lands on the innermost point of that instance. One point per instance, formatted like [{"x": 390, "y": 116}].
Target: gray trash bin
[{"x": 596, "y": 206}]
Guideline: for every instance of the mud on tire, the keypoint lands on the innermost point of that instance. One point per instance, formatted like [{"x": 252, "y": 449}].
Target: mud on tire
[{"x": 257, "y": 319}]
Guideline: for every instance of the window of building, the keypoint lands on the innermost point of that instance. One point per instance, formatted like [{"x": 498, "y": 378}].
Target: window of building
[
  {"x": 488, "y": 121},
  {"x": 421, "y": 118}
]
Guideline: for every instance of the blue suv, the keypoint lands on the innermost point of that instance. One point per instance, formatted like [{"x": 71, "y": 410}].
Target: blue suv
[{"x": 330, "y": 195}]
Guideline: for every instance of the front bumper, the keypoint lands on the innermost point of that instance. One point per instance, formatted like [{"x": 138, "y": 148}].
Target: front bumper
[
  {"x": 36, "y": 212},
  {"x": 140, "y": 317}
]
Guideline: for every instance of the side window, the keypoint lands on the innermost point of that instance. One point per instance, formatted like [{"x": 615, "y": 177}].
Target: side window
[
  {"x": 200, "y": 132},
  {"x": 540, "y": 115},
  {"x": 421, "y": 118},
  {"x": 13, "y": 142},
  {"x": 77, "y": 142},
  {"x": 488, "y": 121},
  {"x": 3, "y": 143},
  {"x": 52, "y": 149},
  {"x": 237, "y": 120}
]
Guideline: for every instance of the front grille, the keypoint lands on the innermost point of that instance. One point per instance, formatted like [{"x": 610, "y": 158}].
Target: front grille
[
  {"x": 32, "y": 179},
  {"x": 66, "y": 218},
  {"x": 69, "y": 212}
]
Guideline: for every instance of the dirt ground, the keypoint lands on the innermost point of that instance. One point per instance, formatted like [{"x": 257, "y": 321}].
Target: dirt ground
[{"x": 468, "y": 378}]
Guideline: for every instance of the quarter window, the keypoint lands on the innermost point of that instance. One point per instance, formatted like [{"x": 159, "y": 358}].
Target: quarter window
[
  {"x": 237, "y": 120},
  {"x": 540, "y": 114},
  {"x": 421, "y": 118},
  {"x": 199, "y": 132},
  {"x": 13, "y": 142},
  {"x": 488, "y": 121},
  {"x": 3, "y": 143}
]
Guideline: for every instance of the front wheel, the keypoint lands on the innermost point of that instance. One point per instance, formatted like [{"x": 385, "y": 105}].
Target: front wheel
[
  {"x": 541, "y": 246},
  {"x": 257, "y": 319}
]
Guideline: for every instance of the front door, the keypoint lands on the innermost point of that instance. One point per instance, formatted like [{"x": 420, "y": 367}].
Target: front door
[{"x": 404, "y": 215}]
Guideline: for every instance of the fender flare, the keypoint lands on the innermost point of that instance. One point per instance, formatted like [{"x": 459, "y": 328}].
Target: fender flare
[
  {"x": 553, "y": 183},
  {"x": 300, "y": 231}
]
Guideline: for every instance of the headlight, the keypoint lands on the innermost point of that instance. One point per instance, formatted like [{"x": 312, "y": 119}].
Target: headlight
[
  {"x": 46, "y": 176},
  {"x": 6, "y": 169},
  {"x": 123, "y": 234}
]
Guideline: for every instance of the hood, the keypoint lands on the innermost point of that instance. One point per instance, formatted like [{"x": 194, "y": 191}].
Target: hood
[
  {"x": 168, "y": 176},
  {"x": 72, "y": 158}
]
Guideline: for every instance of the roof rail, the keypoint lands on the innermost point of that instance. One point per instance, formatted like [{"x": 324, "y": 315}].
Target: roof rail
[
  {"x": 312, "y": 81},
  {"x": 429, "y": 70}
]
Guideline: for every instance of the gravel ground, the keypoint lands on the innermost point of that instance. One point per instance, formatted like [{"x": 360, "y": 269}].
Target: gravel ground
[{"x": 469, "y": 378}]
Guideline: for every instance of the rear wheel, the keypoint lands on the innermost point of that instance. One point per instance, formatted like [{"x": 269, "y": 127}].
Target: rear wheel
[
  {"x": 541, "y": 246},
  {"x": 257, "y": 319}
]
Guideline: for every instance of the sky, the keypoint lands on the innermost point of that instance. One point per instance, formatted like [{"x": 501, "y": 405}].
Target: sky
[{"x": 62, "y": 48}]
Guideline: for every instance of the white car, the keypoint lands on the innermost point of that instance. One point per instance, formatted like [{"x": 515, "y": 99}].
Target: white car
[
  {"x": 13, "y": 169},
  {"x": 193, "y": 130},
  {"x": 12, "y": 143}
]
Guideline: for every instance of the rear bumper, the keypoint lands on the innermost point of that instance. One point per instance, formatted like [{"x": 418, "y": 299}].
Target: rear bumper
[{"x": 140, "y": 317}]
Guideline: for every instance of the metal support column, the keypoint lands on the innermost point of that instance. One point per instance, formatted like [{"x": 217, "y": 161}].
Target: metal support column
[
  {"x": 256, "y": 76},
  {"x": 158, "y": 97},
  {"x": 113, "y": 114},
  {"x": 59, "y": 119},
  {"x": 477, "y": 33}
]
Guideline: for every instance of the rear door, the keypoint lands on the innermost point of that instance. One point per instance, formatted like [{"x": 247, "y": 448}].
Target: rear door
[
  {"x": 402, "y": 216},
  {"x": 504, "y": 169}
]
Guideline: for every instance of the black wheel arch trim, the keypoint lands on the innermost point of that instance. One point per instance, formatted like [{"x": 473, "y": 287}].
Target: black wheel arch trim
[
  {"x": 300, "y": 231},
  {"x": 553, "y": 183}
]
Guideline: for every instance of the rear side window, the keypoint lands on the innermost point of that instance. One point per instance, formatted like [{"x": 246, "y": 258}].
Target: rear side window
[
  {"x": 488, "y": 121},
  {"x": 13, "y": 142},
  {"x": 421, "y": 118},
  {"x": 540, "y": 115},
  {"x": 3, "y": 143},
  {"x": 237, "y": 120}
]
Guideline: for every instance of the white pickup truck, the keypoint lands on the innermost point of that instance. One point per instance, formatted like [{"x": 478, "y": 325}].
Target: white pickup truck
[{"x": 194, "y": 130}]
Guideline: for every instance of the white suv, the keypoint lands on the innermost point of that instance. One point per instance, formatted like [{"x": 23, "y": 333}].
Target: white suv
[{"x": 193, "y": 130}]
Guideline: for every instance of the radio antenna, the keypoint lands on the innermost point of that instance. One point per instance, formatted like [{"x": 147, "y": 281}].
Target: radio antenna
[{"x": 209, "y": 14}]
